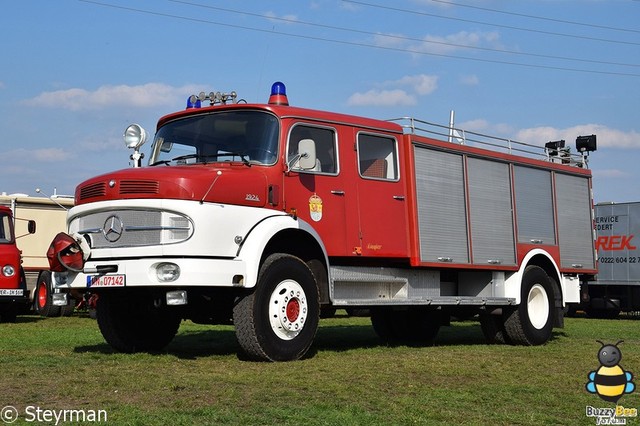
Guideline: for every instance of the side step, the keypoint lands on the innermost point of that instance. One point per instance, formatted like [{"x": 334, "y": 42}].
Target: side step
[{"x": 368, "y": 286}]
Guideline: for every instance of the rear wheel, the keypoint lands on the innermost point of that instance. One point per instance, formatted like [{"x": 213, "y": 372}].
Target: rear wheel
[
  {"x": 531, "y": 323},
  {"x": 278, "y": 320},
  {"x": 135, "y": 322},
  {"x": 412, "y": 325},
  {"x": 492, "y": 327},
  {"x": 42, "y": 299}
]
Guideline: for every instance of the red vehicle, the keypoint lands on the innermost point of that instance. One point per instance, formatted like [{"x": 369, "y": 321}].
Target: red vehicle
[
  {"x": 264, "y": 215},
  {"x": 14, "y": 296}
]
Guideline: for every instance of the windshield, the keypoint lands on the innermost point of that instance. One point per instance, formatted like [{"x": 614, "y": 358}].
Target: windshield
[
  {"x": 5, "y": 229},
  {"x": 247, "y": 136}
]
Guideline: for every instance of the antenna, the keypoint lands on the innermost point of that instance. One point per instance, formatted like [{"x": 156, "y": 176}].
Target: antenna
[{"x": 39, "y": 191}]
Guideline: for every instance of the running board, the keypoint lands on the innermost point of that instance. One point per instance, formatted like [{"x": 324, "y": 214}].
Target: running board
[{"x": 369, "y": 286}]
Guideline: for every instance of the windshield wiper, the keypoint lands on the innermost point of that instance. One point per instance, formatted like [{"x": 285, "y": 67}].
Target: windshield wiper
[
  {"x": 205, "y": 157},
  {"x": 165, "y": 162}
]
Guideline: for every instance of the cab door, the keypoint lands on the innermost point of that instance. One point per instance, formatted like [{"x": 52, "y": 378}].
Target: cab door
[
  {"x": 381, "y": 196},
  {"x": 319, "y": 194}
]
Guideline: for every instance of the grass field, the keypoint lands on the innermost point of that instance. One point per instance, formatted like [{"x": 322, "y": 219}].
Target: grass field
[{"x": 350, "y": 379}]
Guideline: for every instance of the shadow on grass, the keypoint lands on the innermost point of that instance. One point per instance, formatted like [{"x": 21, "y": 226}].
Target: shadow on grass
[
  {"x": 331, "y": 336},
  {"x": 30, "y": 318},
  {"x": 186, "y": 345}
]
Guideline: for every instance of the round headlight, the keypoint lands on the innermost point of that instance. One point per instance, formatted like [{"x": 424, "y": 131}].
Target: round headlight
[
  {"x": 167, "y": 272},
  {"x": 8, "y": 270}
]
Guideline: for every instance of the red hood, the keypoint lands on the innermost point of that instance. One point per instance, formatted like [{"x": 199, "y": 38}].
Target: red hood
[{"x": 229, "y": 184}]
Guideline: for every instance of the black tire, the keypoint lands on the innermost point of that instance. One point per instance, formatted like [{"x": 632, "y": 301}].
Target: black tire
[
  {"x": 492, "y": 327},
  {"x": 131, "y": 322},
  {"x": 9, "y": 313},
  {"x": 42, "y": 299},
  {"x": 413, "y": 326},
  {"x": 531, "y": 323},
  {"x": 66, "y": 311},
  {"x": 382, "y": 322},
  {"x": 278, "y": 320}
]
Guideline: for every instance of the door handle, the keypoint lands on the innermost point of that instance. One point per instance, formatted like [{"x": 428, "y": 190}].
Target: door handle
[
  {"x": 337, "y": 192},
  {"x": 398, "y": 197}
]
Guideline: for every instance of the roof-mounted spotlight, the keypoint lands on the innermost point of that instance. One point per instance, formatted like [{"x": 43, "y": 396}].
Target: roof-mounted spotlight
[
  {"x": 586, "y": 144},
  {"x": 553, "y": 147},
  {"x": 134, "y": 137}
]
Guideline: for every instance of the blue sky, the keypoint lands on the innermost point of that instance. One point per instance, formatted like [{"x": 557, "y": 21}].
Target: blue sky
[{"x": 75, "y": 73}]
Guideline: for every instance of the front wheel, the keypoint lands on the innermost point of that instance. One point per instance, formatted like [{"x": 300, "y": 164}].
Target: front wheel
[
  {"x": 135, "y": 322},
  {"x": 532, "y": 322},
  {"x": 278, "y": 320}
]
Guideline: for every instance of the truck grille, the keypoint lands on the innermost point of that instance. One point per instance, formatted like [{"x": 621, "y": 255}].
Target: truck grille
[{"x": 133, "y": 228}]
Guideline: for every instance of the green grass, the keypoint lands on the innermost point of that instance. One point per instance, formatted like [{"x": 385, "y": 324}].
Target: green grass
[{"x": 350, "y": 379}]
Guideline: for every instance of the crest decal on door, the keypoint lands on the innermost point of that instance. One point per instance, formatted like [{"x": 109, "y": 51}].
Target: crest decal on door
[{"x": 315, "y": 207}]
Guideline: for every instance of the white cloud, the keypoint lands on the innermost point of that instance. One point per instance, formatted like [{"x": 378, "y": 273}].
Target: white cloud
[
  {"x": 142, "y": 96},
  {"x": 454, "y": 42},
  {"x": 470, "y": 80},
  {"x": 285, "y": 19},
  {"x": 422, "y": 84},
  {"x": 50, "y": 155},
  {"x": 377, "y": 97},
  {"x": 401, "y": 92},
  {"x": 439, "y": 44},
  {"x": 610, "y": 173}
]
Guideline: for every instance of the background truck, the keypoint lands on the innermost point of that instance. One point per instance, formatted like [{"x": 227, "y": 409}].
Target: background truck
[
  {"x": 50, "y": 216},
  {"x": 263, "y": 215},
  {"x": 617, "y": 285},
  {"x": 14, "y": 295}
]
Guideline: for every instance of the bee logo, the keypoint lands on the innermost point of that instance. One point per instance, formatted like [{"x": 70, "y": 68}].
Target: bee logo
[{"x": 610, "y": 381}]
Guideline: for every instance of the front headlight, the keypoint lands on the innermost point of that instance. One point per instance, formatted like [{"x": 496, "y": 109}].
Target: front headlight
[
  {"x": 8, "y": 270},
  {"x": 167, "y": 272}
]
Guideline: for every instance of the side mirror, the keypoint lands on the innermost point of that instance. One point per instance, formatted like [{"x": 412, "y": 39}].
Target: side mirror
[
  {"x": 31, "y": 226},
  {"x": 307, "y": 154}
]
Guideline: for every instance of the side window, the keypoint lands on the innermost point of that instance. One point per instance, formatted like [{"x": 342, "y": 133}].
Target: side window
[
  {"x": 5, "y": 229},
  {"x": 377, "y": 157},
  {"x": 326, "y": 149}
]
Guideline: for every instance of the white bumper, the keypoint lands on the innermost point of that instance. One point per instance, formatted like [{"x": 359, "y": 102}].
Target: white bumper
[{"x": 142, "y": 272}]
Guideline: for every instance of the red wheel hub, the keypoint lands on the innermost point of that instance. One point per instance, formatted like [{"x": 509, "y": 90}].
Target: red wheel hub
[
  {"x": 293, "y": 309},
  {"x": 42, "y": 296}
]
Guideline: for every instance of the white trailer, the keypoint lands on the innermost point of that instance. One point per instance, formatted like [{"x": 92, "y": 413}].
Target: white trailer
[{"x": 50, "y": 216}]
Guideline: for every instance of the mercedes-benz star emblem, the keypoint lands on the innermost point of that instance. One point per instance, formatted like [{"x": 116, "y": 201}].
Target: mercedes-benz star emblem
[{"x": 113, "y": 228}]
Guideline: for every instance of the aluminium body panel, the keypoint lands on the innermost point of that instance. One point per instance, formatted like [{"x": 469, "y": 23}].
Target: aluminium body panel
[
  {"x": 574, "y": 221},
  {"x": 441, "y": 205}
]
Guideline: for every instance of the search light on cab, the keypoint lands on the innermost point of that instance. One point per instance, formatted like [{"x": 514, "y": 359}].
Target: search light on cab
[{"x": 135, "y": 136}]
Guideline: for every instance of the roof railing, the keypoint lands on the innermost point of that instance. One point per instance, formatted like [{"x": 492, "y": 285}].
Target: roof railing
[{"x": 466, "y": 137}]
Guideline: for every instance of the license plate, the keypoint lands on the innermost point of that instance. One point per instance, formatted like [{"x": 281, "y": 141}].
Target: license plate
[
  {"x": 105, "y": 281},
  {"x": 11, "y": 292}
]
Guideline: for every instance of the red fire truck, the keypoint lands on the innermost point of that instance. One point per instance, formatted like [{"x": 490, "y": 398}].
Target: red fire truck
[
  {"x": 264, "y": 215},
  {"x": 14, "y": 296}
]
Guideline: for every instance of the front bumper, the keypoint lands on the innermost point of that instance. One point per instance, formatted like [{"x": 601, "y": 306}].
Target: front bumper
[
  {"x": 15, "y": 296},
  {"x": 143, "y": 273}
]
